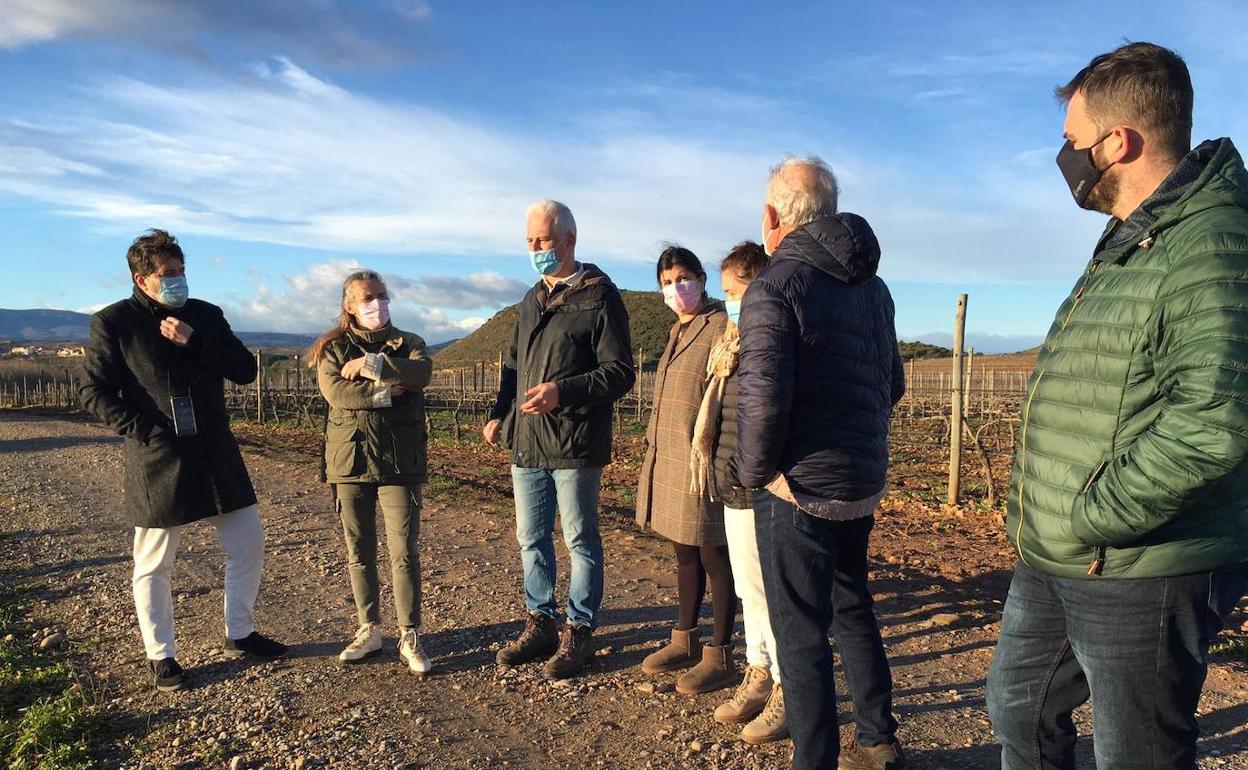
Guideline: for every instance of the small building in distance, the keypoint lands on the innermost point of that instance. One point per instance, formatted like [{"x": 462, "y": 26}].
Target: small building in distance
[{"x": 71, "y": 351}]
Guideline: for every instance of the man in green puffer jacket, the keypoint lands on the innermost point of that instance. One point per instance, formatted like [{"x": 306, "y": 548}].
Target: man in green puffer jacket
[{"x": 1129, "y": 495}]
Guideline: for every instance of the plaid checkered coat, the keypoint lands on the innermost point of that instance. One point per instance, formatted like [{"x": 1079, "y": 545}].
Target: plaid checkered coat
[{"x": 663, "y": 497}]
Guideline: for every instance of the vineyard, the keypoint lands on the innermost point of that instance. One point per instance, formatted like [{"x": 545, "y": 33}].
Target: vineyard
[{"x": 459, "y": 401}]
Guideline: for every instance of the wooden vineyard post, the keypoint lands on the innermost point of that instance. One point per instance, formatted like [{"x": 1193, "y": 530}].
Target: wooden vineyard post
[
  {"x": 955, "y": 414},
  {"x": 259, "y": 387},
  {"x": 641, "y": 370},
  {"x": 967, "y": 388}
]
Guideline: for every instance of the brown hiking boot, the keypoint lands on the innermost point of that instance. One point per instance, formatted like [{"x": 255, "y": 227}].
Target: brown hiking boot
[
  {"x": 714, "y": 672},
  {"x": 682, "y": 652},
  {"x": 885, "y": 756},
  {"x": 576, "y": 647},
  {"x": 749, "y": 699},
  {"x": 771, "y": 725},
  {"x": 539, "y": 638}
]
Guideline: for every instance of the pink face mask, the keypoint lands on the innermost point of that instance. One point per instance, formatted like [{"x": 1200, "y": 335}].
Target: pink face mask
[
  {"x": 683, "y": 297},
  {"x": 373, "y": 314}
]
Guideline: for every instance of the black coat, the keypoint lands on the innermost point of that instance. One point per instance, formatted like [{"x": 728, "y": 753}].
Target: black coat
[
  {"x": 820, "y": 370},
  {"x": 577, "y": 338},
  {"x": 132, "y": 372},
  {"x": 728, "y": 489}
]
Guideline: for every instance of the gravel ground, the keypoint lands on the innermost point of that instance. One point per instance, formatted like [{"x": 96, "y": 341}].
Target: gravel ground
[{"x": 939, "y": 582}]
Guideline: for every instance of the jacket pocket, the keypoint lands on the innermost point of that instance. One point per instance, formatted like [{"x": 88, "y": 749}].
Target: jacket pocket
[
  {"x": 1096, "y": 474},
  {"x": 344, "y": 450}
]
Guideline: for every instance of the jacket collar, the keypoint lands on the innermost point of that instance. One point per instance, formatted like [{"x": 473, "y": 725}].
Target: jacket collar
[
  {"x": 387, "y": 336},
  {"x": 151, "y": 306},
  {"x": 842, "y": 245},
  {"x": 696, "y": 326},
  {"x": 590, "y": 276}
]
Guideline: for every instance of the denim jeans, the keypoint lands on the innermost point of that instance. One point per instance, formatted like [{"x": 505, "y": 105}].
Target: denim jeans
[
  {"x": 815, "y": 575},
  {"x": 1137, "y": 648},
  {"x": 575, "y": 492}
]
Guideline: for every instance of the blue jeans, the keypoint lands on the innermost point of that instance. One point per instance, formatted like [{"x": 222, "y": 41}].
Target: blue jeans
[
  {"x": 1136, "y": 647},
  {"x": 815, "y": 575},
  {"x": 575, "y": 491}
]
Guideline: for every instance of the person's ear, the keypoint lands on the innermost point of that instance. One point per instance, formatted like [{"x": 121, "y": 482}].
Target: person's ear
[
  {"x": 771, "y": 218},
  {"x": 139, "y": 280},
  {"x": 1122, "y": 145}
]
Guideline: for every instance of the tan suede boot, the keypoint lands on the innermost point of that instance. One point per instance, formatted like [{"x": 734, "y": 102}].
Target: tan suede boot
[
  {"x": 714, "y": 672},
  {"x": 749, "y": 699},
  {"x": 771, "y": 725},
  {"x": 681, "y": 652}
]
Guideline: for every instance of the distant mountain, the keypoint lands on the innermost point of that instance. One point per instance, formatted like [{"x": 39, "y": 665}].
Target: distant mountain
[
  {"x": 69, "y": 326},
  {"x": 991, "y": 344}
]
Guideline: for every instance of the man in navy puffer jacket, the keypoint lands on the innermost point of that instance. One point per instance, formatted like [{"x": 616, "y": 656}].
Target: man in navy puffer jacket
[{"x": 820, "y": 373}]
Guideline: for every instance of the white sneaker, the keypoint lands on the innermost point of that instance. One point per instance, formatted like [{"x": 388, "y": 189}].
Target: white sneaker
[
  {"x": 367, "y": 642},
  {"x": 412, "y": 653}
]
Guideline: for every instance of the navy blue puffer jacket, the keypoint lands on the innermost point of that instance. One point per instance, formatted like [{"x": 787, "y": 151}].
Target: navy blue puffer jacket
[{"x": 820, "y": 371}]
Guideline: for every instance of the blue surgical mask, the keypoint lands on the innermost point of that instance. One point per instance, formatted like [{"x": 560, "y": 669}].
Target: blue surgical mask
[
  {"x": 544, "y": 262},
  {"x": 173, "y": 291},
  {"x": 733, "y": 306}
]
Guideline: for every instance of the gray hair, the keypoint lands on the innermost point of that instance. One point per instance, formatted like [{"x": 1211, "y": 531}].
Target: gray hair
[
  {"x": 798, "y": 206},
  {"x": 559, "y": 215}
]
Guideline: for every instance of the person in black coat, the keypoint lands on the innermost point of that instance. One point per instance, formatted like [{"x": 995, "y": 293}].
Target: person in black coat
[
  {"x": 155, "y": 370},
  {"x": 819, "y": 375}
]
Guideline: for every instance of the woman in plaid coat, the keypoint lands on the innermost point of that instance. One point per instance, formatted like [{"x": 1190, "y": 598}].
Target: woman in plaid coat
[{"x": 665, "y": 498}]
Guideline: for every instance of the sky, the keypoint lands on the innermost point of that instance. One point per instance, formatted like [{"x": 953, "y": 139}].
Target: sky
[{"x": 286, "y": 143}]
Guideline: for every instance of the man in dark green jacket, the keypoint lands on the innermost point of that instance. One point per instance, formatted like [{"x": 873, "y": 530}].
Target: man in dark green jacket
[
  {"x": 570, "y": 359},
  {"x": 1129, "y": 497}
]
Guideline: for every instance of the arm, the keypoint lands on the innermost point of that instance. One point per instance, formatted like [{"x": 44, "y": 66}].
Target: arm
[
  {"x": 766, "y": 380},
  {"x": 100, "y": 392},
  {"x": 222, "y": 353},
  {"x": 342, "y": 393},
  {"x": 507, "y": 379},
  {"x": 412, "y": 373},
  {"x": 614, "y": 375},
  {"x": 1201, "y": 432}
]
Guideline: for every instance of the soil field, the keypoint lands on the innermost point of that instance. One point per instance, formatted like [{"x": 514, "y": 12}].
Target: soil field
[{"x": 939, "y": 576}]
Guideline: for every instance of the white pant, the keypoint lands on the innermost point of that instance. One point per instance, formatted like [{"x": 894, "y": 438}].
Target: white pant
[
  {"x": 747, "y": 575},
  {"x": 241, "y": 537}
]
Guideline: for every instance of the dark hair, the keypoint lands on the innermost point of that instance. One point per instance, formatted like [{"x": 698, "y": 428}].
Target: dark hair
[
  {"x": 678, "y": 256},
  {"x": 150, "y": 249},
  {"x": 343, "y": 324},
  {"x": 747, "y": 259},
  {"x": 1142, "y": 84}
]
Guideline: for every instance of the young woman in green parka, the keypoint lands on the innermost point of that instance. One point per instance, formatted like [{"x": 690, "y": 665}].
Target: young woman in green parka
[{"x": 373, "y": 376}]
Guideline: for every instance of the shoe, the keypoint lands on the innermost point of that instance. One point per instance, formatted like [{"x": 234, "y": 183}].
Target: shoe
[
  {"x": 576, "y": 647},
  {"x": 539, "y": 639},
  {"x": 749, "y": 699},
  {"x": 412, "y": 653},
  {"x": 167, "y": 675},
  {"x": 367, "y": 643},
  {"x": 682, "y": 652},
  {"x": 771, "y": 725},
  {"x": 256, "y": 647},
  {"x": 715, "y": 671},
  {"x": 885, "y": 756}
]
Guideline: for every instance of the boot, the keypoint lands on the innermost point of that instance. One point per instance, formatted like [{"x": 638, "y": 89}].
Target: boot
[
  {"x": 539, "y": 638},
  {"x": 576, "y": 648},
  {"x": 714, "y": 672},
  {"x": 681, "y": 652},
  {"x": 885, "y": 756},
  {"x": 771, "y": 725},
  {"x": 749, "y": 699}
]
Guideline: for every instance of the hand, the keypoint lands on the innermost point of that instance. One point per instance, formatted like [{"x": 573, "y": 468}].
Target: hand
[
  {"x": 397, "y": 390},
  {"x": 351, "y": 369},
  {"x": 490, "y": 431},
  {"x": 779, "y": 486},
  {"x": 542, "y": 398},
  {"x": 177, "y": 332}
]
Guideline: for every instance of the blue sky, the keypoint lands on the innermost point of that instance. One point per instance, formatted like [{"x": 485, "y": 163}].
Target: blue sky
[{"x": 285, "y": 143}]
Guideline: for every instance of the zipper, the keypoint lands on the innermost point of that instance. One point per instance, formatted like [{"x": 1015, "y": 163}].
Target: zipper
[
  {"x": 1022, "y": 481},
  {"x": 1098, "y": 557}
]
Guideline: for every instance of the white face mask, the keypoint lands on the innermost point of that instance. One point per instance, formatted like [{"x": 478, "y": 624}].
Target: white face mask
[
  {"x": 373, "y": 314},
  {"x": 763, "y": 228}
]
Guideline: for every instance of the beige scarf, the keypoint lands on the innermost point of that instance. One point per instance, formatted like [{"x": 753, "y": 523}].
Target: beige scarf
[{"x": 719, "y": 367}]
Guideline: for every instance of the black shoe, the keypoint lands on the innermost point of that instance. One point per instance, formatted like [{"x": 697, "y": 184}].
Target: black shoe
[
  {"x": 576, "y": 647},
  {"x": 167, "y": 674},
  {"x": 256, "y": 647},
  {"x": 539, "y": 638}
]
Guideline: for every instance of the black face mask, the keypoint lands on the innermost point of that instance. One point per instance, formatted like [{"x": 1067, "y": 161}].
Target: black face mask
[{"x": 1079, "y": 170}]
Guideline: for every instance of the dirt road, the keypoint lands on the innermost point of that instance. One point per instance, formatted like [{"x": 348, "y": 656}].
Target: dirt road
[{"x": 939, "y": 582}]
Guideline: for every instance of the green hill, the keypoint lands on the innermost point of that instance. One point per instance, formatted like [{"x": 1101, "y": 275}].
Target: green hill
[{"x": 649, "y": 320}]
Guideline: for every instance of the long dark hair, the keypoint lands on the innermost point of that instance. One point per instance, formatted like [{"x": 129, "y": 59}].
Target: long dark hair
[{"x": 344, "y": 316}]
